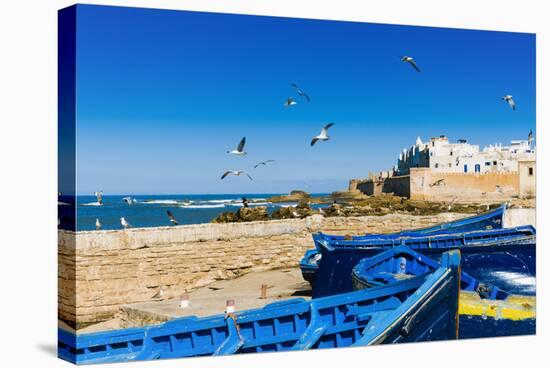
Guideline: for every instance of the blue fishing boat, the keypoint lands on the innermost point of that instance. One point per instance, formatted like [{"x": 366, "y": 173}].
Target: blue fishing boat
[
  {"x": 485, "y": 309},
  {"x": 494, "y": 219},
  {"x": 421, "y": 308},
  {"x": 402, "y": 263},
  {"x": 500, "y": 248}
]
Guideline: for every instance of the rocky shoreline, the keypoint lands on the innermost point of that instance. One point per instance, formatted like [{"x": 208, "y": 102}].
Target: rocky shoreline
[{"x": 349, "y": 204}]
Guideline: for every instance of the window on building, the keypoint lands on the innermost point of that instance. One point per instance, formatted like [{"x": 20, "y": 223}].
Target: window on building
[
  {"x": 436, "y": 166},
  {"x": 465, "y": 168},
  {"x": 451, "y": 153},
  {"x": 530, "y": 171},
  {"x": 494, "y": 162},
  {"x": 478, "y": 168},
  {"x": 450, "y": 165},
  {"x": 487, "y": 163}
]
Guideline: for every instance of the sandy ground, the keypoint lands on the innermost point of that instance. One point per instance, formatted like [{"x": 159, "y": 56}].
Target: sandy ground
[{"x": 281, "y": 284}]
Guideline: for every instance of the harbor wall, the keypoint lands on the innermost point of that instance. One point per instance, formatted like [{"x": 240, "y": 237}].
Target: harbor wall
[
  {"x": 419, "y": 185},
  {"x": 398, "y": 185},
  {"x": 99, "y": 271}
]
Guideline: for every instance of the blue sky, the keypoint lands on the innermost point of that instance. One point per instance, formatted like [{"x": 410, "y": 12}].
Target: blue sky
[{"x": 162, "y": 95}]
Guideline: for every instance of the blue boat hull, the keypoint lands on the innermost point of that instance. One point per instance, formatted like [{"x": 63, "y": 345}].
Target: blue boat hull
[
  {"x": 309, "y": 264},
  {"x": 337, "y": 263},
  {"x": 424, "y": 308}
]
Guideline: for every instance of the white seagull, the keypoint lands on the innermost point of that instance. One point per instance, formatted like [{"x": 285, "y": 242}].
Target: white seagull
[
  {"x": 323, "y": 136},
  {"x": 410, "y": 60},
  {"x": 438, "y": 183},
  {"x": 235, "y": 172},
  {"x": 99, "y": 196},
  {"x": 171, "y": 217},
  {"x": 124, "y": 223},
  {"x": 510, "y": 100},
  {"x": 97, "y": 224},
  {"x": 263, "y": 163},
  {"x": 290, "y": 102},
  {"x": 239, "y": 151},
  {"x": 129, "y": 200},
  {"x": 300, "y": 92}
]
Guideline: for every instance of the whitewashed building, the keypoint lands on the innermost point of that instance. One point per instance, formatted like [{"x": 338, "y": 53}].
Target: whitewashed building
[{"x": 461, "y": 157}]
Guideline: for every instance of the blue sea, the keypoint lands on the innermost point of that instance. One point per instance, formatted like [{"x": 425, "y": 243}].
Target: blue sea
[{"x": 150, "y": 210}]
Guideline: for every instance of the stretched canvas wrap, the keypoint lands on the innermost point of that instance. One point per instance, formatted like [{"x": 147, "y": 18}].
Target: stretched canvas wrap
[{"x": 241, "y": 184}]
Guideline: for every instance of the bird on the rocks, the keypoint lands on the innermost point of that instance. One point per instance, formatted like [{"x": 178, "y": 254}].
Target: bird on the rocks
[
  {"x": 300, "y": 92},
  {"x": 171, "y": 217},
  {"x": 410, "y": 60},
  {"x": 236, "y": 173},
  {"x": 510, "y": 100},
  {"x": 451, "y": 203},
  {"x": 323, "y": 136},
  {"x": 245, "y": 202},
  {"x": 239, "y": 151}
]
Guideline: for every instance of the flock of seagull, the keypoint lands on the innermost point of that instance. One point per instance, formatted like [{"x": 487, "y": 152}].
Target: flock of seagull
[
  {"x": 322, "y": 136},
  {"x": 239, "y": 150}
]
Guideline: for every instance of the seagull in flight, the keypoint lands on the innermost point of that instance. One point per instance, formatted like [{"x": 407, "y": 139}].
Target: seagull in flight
[
  {"x": 129, "y": 200},
  {"x": 300, "y": 92},
  {"x": 510, "y": 100},
  {"x": 97, "y": 224},
  {"x": 239, "y": 151},
  {"x": 323, "y": 136},
  {"x": 125, "y": 224},
  {"x": 290, "y": 102},
  {"x": 263, "y": 163},
  {"x": 236, "y": 173},
  {"x": 410, "y": 60},
  {"x": 99, "y": 196},
  {"x": 438, "y": 183},
  {"x": 171, "y": 217}
]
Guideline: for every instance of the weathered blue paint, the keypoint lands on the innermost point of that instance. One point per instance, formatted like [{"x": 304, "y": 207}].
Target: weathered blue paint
[
  {"x": 422, "y": 308},
  {"x": 309, "y": 264},
  {"x": 399, "y": 263},
  {"x": 499, "y": 248}
]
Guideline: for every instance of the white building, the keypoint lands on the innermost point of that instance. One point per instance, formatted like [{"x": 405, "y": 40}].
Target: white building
[{"x": 461, "y": 157}]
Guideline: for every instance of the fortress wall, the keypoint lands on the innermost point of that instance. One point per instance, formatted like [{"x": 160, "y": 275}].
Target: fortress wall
[{"x": 470, "y": 186}]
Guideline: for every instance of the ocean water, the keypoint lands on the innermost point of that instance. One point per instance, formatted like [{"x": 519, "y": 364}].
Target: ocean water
[{"x": 150, "y": 210}]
